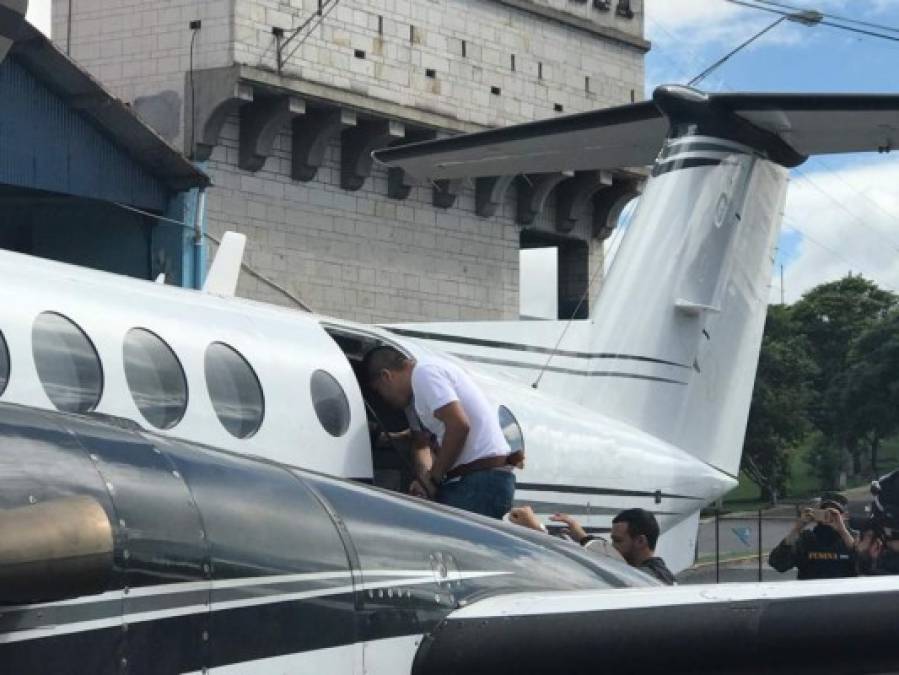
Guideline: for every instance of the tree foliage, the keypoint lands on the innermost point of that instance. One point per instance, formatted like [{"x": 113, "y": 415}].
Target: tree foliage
[
  {"x": 777, "y": 417},
  {"x": 831, "y": 318}
]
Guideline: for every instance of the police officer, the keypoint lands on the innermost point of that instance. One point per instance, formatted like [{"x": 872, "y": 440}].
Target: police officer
[{"x": 826, "y": 551}]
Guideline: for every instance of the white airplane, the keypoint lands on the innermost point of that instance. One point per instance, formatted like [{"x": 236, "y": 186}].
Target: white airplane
[
  {"x": 645, "y": 404},
  {"x": 160, "y": 508}
]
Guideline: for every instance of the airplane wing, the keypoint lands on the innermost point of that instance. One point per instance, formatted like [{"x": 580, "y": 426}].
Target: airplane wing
[
  {"x": 829, "y": 626},
  {"x": 631, "y": 135}
]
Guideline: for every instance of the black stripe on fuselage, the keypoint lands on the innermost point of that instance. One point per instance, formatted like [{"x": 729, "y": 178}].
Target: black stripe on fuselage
[
  {"x": 586, "y": 490},
  {"x": 533, "y": 349},
  {"x": 565, "y": 371},
  {"x": 678, "y": 164},
  {"x": 696, "y": 146}
]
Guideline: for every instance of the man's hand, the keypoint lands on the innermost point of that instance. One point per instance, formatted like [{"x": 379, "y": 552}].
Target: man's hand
[
  {"x": 577, "y": 532},
  {"x": 834, "y": 520},
  {"x": 418, "y": 488},
  {"x": 806, "y": 517},
  {"x": 456, "y": 427},
  {"x": 524, "y": 516}
]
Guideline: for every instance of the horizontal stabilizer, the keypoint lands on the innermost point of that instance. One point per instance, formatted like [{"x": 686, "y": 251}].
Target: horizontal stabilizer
[
  {"x": 786, "y": 128},
  {"x": 629, "y": 135}
]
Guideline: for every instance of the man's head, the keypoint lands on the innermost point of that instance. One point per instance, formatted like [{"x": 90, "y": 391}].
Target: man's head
[
  {"x": 834, "y": 500},
  {"x": 389, "y": 372},
  {"x": 634, "y": 535}
]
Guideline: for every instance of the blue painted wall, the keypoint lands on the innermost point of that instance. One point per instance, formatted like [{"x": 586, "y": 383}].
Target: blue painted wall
[{"x": 46, "y": 144}]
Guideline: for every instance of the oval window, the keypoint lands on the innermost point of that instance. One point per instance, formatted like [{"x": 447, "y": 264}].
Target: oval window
[
  {"x": 4, "y": 364},
  {"x": 511, "y": 429},
  {"x": 67, "y": 363},
  {"x": 155, "y": 378},
  {"x": 330, "y": 403},
  {"x": 234, "y": 390}
]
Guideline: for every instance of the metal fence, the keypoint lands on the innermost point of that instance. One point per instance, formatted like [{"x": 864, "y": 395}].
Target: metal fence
[{"x": 734, "y": 547}]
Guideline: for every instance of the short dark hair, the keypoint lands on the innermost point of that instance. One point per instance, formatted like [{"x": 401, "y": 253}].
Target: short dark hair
[
  {"x": 640, "y": 521},
  {"x": 382, "y": 358},
  {"x": 835, "y": 500}
]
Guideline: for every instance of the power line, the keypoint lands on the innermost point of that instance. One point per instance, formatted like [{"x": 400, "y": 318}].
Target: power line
[
  {"x": 824, "y": 22},
  {"x": 835, "y": 17},
  {"x": 845, "y": 210}
]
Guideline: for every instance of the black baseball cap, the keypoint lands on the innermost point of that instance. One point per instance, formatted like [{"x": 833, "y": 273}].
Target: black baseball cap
[{"x": 834, "y": 500}]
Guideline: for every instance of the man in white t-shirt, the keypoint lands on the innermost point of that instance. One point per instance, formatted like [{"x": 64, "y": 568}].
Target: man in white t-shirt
[{"x": 460, "y": 454}]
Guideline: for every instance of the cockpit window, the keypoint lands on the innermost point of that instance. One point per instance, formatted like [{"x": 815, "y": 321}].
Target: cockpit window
[
  {"x": 155, "y": 378},
  {"x": 511, "y": 429},
  {"x": 4, "y": 364},
  {"x": 67, "y": 363},
  {"x": 330, "y": 403},
  {"x": 234, "y": 390}
]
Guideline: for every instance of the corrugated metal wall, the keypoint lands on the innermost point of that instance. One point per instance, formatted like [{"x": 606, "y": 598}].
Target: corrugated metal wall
[{"x": 45, "y": 144}]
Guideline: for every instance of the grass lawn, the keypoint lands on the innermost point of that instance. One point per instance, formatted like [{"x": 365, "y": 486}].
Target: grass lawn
[{"x": 803, "y": 483}]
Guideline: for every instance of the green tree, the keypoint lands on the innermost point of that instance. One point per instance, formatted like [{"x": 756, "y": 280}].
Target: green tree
[
  {"x": 872, "y": 384},
  {"x": 830, "y": 317},
  {"x": 777, "y": 420}
]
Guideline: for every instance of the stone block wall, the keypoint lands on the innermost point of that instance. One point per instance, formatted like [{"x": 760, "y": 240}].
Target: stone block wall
[{"x": 360, "y": 254}]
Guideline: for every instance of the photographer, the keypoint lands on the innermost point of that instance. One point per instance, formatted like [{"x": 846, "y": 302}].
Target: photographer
[{"x": 827, "y": 551}]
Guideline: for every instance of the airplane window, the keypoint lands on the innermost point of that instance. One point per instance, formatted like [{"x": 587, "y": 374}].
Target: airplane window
[
  {"x": 330, "y": 403},
  {"x": 234, "y": 389},
  {"x": 67, "y": 363},
  {"x": 155, "y": 378},
  {"x": 4, "y": 364},
  {"x": 511, "y": 429}
]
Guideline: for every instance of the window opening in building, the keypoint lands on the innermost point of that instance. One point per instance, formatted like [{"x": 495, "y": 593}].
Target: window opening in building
[
  {"x": 67, "y": 364},
  {"x": 411, "y": 33},
  {"x": 538, "y": 282},
  {"x": 496, "y": 91},
  {"x": 464, "y": 49},
  {"x": 512, "y": 63},
  {"x": 330, "y": 403},
  {"x": 234, "y": 390},
  {"x": 511, "y": 429},
  {"x": 155, "y": 378},
  {"x": 4, "y": 364},
  {"x": 380, "y": 25},
  {"x": 359, "y": 53},
  {"x": 430, "y": 72},
  {"x": 540, "y": 70},
  {"x": 587, "y": 83},
  {"x": 558, "y": 107}
]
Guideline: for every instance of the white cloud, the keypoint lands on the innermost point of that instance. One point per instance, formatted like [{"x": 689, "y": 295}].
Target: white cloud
[
  {"x": 39, "y": 15},
  {"x": 850, "y": 222}
]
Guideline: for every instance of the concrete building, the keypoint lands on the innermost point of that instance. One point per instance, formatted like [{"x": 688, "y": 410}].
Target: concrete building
[
  {"x": 82, "y": 178},
  {"x": 283, "y": 101}
]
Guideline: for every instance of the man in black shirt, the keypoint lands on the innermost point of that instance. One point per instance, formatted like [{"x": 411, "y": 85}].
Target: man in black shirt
[{"x": 827, "y": 551}]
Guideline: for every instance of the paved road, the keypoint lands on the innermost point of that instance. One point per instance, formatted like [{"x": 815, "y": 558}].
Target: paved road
[{"x": 740, "y": 536}]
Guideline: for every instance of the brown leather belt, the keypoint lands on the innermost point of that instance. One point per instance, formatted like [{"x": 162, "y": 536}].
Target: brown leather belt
[{"x": 514, "y": 459}]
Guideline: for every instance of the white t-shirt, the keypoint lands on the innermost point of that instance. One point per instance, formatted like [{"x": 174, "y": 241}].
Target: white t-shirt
[{"x": 437, "y": 382}]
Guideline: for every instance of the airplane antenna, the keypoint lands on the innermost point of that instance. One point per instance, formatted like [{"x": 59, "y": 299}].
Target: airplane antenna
[
  {"x": 781, "y": 284},
  {"x": 536, "y": 383}
]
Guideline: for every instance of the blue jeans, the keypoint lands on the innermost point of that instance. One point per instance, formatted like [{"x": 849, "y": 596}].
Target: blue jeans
[{"x": 489, "y": 492}]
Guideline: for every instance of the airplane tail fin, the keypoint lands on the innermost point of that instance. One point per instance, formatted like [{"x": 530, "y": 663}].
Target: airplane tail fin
[{"x": 673, "y": 343}]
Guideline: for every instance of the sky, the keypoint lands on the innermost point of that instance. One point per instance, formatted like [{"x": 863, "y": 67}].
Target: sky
[{"x": 842, "y": 212}]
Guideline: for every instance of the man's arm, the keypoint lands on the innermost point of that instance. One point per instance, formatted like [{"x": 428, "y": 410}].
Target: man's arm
[
  {"x": 788, "y": 552},
  {"x": 457, "y": 426}
]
